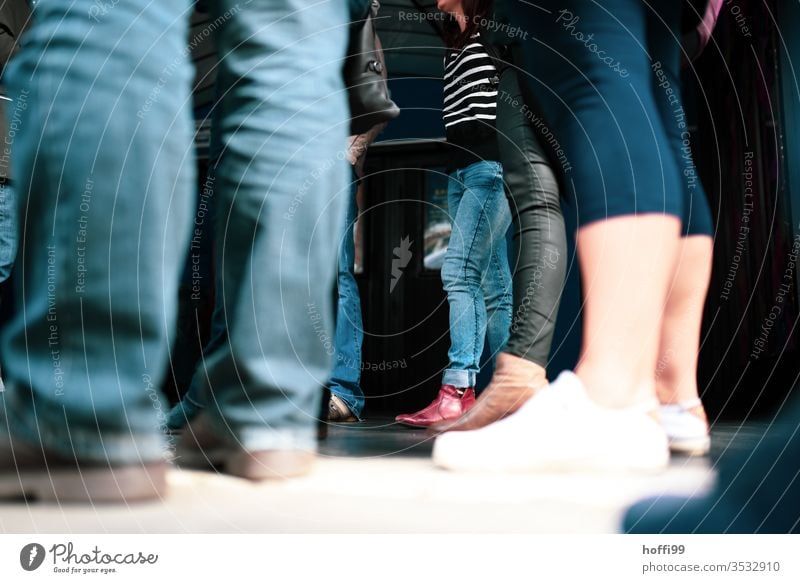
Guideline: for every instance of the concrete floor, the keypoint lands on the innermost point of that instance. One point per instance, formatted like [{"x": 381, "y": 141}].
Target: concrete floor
[{"x": 377, "y": 477}]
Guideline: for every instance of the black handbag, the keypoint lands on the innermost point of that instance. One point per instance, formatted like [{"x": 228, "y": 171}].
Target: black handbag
[{"x": 370, "y": 103}]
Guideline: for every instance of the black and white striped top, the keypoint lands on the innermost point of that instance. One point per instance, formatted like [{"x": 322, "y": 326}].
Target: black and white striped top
[
  {"x": 469, "y": 93},
  {"x": 470, "y": 99}
]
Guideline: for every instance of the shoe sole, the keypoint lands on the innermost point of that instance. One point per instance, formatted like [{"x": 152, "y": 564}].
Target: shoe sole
[
  {"x": 338, "y": 412},
  {"x": 425, "y": 425},
  {"x": 193, "y": 458},
  {"x": 594, "y": 465},
  {"x": 414, "y": 425},
  {"x": 653, "y": 465},
  {"x": 697, "y": 447},
  {"x": 623, "y": 458},
  {"x": 256, "y": 466},
  {"x": 88, "y": 485},
  {"x": 270, "y": 465}
]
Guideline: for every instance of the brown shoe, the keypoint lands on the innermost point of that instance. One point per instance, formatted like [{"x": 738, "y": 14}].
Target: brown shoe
[
  {"x": 28, "y": 472},
  {"x": 201, "y": 448},
  {"x": 339, "y": 412},
  {"x": 276, "y": 464},
  {"x": 515, "y": 380}
]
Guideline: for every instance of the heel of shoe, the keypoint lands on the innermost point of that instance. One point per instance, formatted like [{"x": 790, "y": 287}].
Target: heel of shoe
[
  {"x": 100, "y": 485},
  {"x": 695, "y": 447},
  {"x": 687, "y": 432},
  {"x": 270, "y": 465}
]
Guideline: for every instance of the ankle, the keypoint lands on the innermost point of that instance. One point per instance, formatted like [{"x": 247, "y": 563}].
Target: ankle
[
  {"x": 698, "y": 411},
  {"x": 534, "y": 373},
  {"x": 614, "y": 391},
  {"x": 693, "y": 407},
  {"x": 677, "y": 389}
]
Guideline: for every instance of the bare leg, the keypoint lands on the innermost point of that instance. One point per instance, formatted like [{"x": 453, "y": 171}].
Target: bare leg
[
  {"x": 676, "y": 369},
  {"x": 597, "y": 419},
  {"x": 684, "y": 417},
  {"x": 627, "y": 265}
]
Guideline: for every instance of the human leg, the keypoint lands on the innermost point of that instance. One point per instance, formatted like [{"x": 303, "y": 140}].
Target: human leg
[
  {"x": 103, "y": 163},
  {"x": 279, "y": 215},
  {"x": 682, "y": 412},
  {"x": 539, "y": 265},
  {"x": 346, "y": 376},
  {"x": 480, "y": 221},
  {"x": 624, "y": 183}
]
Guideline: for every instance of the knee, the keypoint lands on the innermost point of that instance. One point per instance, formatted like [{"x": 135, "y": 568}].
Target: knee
[
  {"x": 449, "y": 276},
  {"x": 456, "y": 278}
]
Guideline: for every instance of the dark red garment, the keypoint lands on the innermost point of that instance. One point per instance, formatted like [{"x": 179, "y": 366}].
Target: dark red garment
[{"x": 448, "y": 405}]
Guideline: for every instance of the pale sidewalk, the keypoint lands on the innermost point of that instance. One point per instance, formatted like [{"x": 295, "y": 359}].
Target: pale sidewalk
[{"x": 385, "y": 484}]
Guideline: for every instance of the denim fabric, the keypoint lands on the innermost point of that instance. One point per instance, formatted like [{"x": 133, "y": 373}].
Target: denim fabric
[
  {"x": 108, "y": 126},
  {"x": 9, "y": 125},
  {"x": 199, "y": 393},
  {"x": 103, "y": 166},
  {"x": 476, "y": 274},
  {"x": 281, "y": 189},
  {"x": 346, "y": 376},
  {"x": 192, "y": 403},
  {"x": 8, "y": 230}
]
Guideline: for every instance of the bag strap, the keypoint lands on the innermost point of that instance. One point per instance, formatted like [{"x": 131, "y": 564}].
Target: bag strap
[{"x": 499, "y": 55}]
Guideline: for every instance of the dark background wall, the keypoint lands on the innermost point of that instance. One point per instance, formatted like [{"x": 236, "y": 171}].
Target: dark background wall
[
  {"x": 749, "y": 356},
  {"x": 742, "y": 97},
  {"x": 743, "y": 105}
]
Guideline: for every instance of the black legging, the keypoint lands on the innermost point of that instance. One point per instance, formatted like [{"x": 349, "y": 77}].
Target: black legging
[{"x": 540, "y": 245}]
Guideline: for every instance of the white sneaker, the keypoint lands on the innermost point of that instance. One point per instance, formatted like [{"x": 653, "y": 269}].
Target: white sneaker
[
  {"x": 559, "y": 429},
  {"x": 687, "y": 433}
]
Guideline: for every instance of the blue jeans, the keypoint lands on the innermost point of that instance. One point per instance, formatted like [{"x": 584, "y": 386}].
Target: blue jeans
[
  {"x": 345, "y": 380},
  {"x": 9, "y": 110},
  {"x": 8, "y": 229},
  {"x": 111, "y": 175},
  {"x": 346, "y": 376},
  {"x": 476, "y": 274}
]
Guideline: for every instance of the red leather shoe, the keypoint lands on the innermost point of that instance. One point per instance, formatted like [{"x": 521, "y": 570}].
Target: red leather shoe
[{"x": 447, "y": 405}]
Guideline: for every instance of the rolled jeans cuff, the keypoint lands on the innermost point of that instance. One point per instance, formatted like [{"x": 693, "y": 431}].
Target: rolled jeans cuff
[{"x": 460, "y": 379}]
